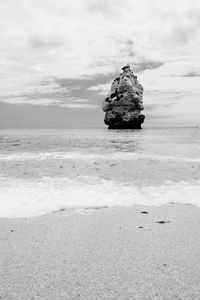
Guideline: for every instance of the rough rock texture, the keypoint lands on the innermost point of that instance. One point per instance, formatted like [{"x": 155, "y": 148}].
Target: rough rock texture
[{"x": 123, "y": 104}]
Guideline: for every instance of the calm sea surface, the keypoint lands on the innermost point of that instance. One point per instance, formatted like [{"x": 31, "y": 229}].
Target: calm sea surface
[{"x": 46, "y": 170}]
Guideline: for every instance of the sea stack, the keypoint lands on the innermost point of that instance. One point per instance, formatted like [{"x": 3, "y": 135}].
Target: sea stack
[{"x": 124, "y": 104}]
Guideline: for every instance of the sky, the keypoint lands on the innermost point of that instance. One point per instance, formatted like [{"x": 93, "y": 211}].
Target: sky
[{"x": 58, "y": 60}]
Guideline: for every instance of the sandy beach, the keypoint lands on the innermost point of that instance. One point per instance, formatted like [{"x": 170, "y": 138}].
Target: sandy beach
[
  {"x": 107, "y": 253},
  {"x": 99, "y": 150}
]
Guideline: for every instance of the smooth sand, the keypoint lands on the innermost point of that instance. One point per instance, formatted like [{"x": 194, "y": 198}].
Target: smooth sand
[{"x": 102, "y": 254}]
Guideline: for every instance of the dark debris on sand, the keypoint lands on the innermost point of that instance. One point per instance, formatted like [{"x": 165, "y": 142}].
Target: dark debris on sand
[{"x": 162, "y": 222}]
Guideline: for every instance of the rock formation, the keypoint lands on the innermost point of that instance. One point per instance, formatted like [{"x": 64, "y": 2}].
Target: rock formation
[{"x": 123, "y": 104}]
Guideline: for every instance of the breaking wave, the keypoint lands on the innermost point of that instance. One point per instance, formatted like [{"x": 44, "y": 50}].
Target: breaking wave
[
  {"x": 84, "y": 156},
  {"x": 23, "y": 198}
]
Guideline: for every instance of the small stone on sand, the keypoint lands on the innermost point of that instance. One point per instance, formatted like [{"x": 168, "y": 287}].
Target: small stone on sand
[{"x": 162, "y": 222}]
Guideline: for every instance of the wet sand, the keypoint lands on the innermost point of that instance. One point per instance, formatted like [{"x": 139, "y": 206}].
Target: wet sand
[{"x": 108, "y": 253}]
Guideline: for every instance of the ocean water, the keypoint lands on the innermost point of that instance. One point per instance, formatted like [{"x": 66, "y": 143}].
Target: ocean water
[{"x": 51, "y": 169}]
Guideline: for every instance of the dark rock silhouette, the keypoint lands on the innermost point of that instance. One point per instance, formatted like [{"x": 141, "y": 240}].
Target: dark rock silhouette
[{"x": 123, "y": 104}]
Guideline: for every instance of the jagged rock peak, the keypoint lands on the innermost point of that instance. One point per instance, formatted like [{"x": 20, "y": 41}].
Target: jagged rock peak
[{"x": 124, "y": 104}]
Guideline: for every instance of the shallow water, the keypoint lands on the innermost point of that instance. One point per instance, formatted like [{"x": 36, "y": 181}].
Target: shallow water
[{"x": 47, "y": 170}]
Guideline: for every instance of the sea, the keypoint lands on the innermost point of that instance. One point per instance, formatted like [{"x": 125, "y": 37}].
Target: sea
[{"x": 48, "y": 170}]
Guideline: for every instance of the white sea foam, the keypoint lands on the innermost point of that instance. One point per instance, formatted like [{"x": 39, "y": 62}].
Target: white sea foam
[
  {"x": 85, "y": 156},
  {"x": 22, "y": 198}
]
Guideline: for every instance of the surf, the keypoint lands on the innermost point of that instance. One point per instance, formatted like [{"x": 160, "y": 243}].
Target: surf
[{"x": 29, "y": 198}]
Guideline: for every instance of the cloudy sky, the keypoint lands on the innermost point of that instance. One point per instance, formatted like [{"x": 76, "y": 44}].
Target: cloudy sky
[{"x": 58, "y": 59}]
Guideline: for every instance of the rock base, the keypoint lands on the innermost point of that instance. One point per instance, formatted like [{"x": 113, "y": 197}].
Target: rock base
[{"x": 134, "y": 124}]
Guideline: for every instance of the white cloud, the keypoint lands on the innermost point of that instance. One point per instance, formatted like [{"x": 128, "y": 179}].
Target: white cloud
[
  {"x": 102, "y": 89},
  {"x": 80, "y": 105},
  {"x": 27, "y": 100},
  {"x": 70, "y": 102},
  {"x": 74, "y": 39}
]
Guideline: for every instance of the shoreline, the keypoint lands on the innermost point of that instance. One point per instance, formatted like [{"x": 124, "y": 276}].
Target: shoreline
[{"x": 104, "y": 253}]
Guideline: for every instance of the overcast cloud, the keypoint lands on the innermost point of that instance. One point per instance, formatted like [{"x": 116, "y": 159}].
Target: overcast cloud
[{"x": 45, "y": 42}]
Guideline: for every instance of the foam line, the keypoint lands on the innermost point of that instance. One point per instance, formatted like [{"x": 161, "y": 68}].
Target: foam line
[{"x": 23, "y": 198}]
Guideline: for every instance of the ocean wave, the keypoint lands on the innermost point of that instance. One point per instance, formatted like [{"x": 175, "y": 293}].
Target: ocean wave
[
  {"x": 23, "y": 198},
  {"x": 85, "y": 156}
]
